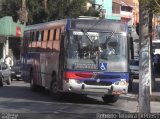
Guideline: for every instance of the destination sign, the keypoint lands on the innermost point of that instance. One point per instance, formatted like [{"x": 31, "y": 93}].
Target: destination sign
[
  {"x": 105, "y": 25},
  {"x": 85, "y": 66}
]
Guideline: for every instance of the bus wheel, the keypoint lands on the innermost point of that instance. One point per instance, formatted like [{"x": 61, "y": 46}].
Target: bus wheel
[
  {"x": 54, "y": 91},
  {"x": 33, "y": 86},
  {"x": 110, "y": 98},
  {"x": 9, "y": 81},
  {"x": 1, "y": 83}
]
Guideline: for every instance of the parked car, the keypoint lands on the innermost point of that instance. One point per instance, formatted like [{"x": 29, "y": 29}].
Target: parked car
[
  {"x": 134, "y": 72},
  {"x": 16, "y": 71},
  {"x": 5, "y": 74}
]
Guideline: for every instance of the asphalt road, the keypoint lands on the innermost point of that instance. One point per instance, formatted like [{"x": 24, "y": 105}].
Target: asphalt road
[{"x": 20, "y": 102}]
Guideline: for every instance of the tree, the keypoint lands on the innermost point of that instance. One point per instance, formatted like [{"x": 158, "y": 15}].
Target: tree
[
  {"x": 48, "y": 10},
  {"x": 36, "y": 11},
  {"x": 10, "y": 8},
  {"x": 154, "y": 6}
]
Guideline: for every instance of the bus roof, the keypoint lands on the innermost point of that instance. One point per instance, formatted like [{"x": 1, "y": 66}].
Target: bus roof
[
  {"x": 89, "y": 24},
  {"x": 46, "y": 25},
  {"x": 96, "y": 24}
]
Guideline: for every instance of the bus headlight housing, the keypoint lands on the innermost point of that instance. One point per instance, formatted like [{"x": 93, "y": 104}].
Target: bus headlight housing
[
  {"x": 121, "y": 83},
  {"x": 74, "y": 81}
]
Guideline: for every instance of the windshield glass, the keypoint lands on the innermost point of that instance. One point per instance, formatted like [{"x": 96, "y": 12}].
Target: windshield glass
[
  {"x": 86, "y": 50},
  {"x": 134, "y": 62}
]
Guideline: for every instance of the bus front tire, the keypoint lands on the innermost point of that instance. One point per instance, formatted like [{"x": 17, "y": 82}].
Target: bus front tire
[
  {"x": 1, "y": 83},
  {"x": 110, "y": 98},
  {"x": 33, "y": 86},
  {"x": 54, "y": 91},
  {"x": 9, "y": 81}
]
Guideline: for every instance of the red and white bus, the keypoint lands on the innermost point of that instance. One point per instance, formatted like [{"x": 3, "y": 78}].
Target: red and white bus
[{"x": 84, "y": 56}]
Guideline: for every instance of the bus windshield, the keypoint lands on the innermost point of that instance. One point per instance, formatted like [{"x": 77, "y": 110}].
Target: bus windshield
[{"x": 86, "y": 50}]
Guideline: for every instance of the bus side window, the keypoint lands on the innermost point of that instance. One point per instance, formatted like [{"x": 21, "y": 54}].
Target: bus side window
[
  {"x": 30, "y": 41},
  {"x": 26, "y": 39},
  {"x": 54, "y": 35},
  {"x": 49, "y": 40},
  {"x": 45, "y": 35},
  {"x": 62, "y": 29},
  {"x": 32, "y": 35},
  {"x": 33, "y": 39},
  {"x": 42, "y": 34},
  {"x": 51, "y": 34},
  {"x": 38, "y": 38},
  {"x": 58, "y": 34},
  {"x": 48, "y": 36},
  {"x": 56, "y": 42},
  {"x": 44, "y": 42}
]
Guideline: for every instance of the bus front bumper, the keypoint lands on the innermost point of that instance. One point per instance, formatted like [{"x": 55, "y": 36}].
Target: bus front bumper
[{"x": 75, "y": 86}]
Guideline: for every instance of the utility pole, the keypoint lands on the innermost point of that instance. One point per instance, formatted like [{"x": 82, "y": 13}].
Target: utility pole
[{"x": 144, "y": 59}]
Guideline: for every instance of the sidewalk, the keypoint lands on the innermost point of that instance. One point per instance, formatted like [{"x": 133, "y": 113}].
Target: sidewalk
[{"x": 154, "y": 96}]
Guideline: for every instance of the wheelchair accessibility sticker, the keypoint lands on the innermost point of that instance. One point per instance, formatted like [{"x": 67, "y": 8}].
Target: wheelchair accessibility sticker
[{"x": 103, "y": 66}]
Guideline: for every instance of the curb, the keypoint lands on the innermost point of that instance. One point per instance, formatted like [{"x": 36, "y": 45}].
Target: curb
[
  {"x": 129, "y": 97},
  {"x": 134, "y": 97}
]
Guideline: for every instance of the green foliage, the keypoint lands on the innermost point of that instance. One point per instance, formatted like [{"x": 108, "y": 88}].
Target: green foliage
[
  {"x": 155, "y": 6},
  {"x": 36, "y": 11},
  {"x": 56, "y": 9},
  {"x": 152, "y": 5},
  {"x": 10, "y": 8}
]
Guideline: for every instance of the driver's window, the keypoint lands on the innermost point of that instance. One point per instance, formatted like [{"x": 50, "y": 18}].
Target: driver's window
[{"x": 113, "y": 46}]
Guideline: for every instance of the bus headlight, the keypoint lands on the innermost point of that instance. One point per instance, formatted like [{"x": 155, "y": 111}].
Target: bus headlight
[
  {"x": 121, "y": 83},
  {"x": 73, "y": 81}
]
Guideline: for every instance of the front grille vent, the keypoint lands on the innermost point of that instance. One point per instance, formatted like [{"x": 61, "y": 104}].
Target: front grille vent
[{"x": 102, "y": 83}]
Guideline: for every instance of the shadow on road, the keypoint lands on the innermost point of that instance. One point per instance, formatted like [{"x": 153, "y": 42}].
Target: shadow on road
[
  {"x": 22, "y": 91},
  {"x": 136, "y": 85},
  {"x": 17, "y": 98}
]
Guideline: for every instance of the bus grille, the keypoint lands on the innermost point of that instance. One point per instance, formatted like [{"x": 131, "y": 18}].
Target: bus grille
[
  {"x": 103, "y": 83},
  {"x": 107, "y": 76}
]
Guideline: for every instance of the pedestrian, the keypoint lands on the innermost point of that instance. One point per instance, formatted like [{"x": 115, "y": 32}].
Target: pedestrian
[
  {"x": 8, "y": 61},
  {"x": 156, "y": 61},
  {"x": 158, "y": 64}
]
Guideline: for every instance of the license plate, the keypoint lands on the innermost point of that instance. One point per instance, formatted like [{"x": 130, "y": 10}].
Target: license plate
[
  {"x": 117, "y": 92},
  {"x": 18, "y": 75}
]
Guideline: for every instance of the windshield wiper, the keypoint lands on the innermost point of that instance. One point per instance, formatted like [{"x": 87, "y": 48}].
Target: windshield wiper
[
  {"x": 87, "y": 35},
  {"x": 109, "y": 37}
]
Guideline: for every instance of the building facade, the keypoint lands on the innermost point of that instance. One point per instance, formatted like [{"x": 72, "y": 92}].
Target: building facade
[
  {"x": 10, "y": 38},
  {"x": 125, "y": 10},
  {"x": 111, "y": 9},
  {"x": 136, "y": 11}
]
